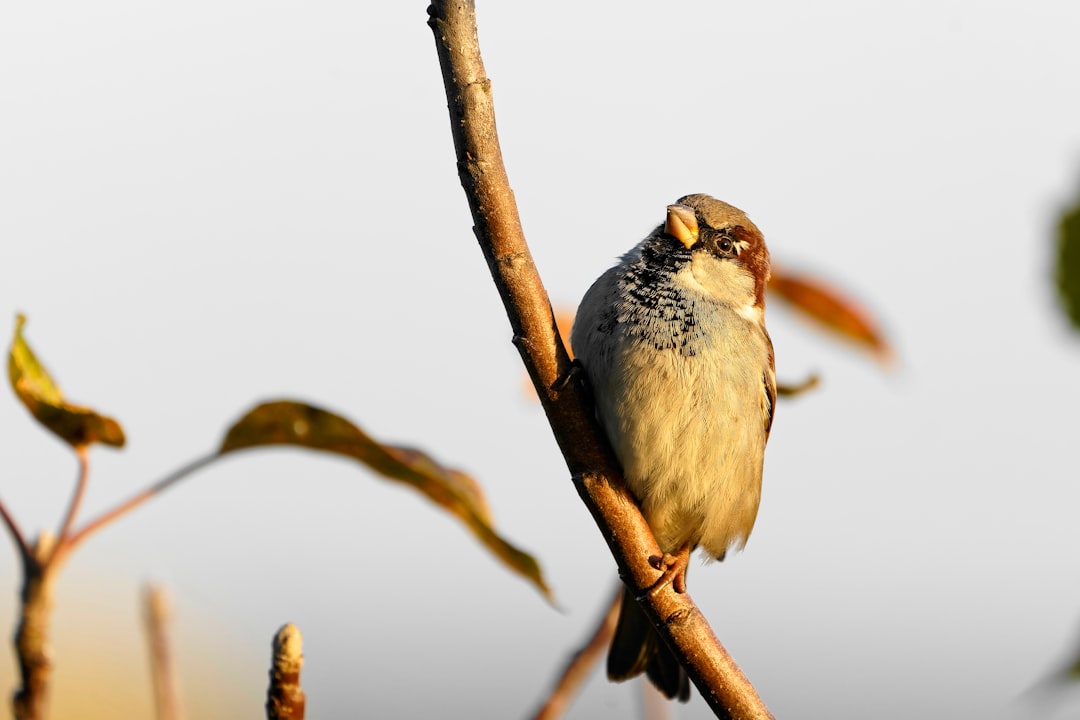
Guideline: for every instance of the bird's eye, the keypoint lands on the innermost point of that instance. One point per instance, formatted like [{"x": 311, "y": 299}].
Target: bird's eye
[{"x": 725, "y": 245}]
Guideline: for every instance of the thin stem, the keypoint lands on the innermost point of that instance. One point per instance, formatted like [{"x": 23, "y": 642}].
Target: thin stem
[
  {"x": 135, "y": 501},
  {"x": 82, "y": 453},
  {"x": 15, "y": 532},
  {"x": 581, "y": 663},
  {"x": 157, "y": 614},
  {"x": 654, "y": 706}
]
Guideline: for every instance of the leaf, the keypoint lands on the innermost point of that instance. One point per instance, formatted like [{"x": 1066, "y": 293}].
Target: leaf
[
  {"x": 1068, "y": 263},
  {"x": 285, "y": 422},
  {"x": 828, "y": 306},
  {"x": 786, "y": 390},
  {"x": 1073, "y": 671},
  {"x": 564, "y": 320},
  {"x": 76, "y": 425}
]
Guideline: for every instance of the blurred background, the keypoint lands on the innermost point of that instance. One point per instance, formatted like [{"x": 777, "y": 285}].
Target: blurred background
[{"x": 209, "y": 205}]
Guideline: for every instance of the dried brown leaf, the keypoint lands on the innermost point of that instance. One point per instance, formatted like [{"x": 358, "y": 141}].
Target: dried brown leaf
[
  {"x": 827, "y": 305},
  {"x": 285, "y": 422}
]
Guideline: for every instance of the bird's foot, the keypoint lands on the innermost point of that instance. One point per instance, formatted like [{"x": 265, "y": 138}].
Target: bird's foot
[
  {"x": 673, "y": 568},
  {"x": 574, "y": 373}
]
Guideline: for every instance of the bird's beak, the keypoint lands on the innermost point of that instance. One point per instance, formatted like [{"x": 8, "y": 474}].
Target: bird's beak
[{"x": 682, "y": 225}]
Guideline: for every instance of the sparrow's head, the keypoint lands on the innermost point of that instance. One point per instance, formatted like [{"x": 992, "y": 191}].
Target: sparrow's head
[{"x": 729, "y": 257}]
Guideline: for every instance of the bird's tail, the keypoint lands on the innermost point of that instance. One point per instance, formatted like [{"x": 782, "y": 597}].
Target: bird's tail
[{"x": 636, "y": 649}]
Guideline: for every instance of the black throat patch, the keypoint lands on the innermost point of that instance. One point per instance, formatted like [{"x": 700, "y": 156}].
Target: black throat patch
[{"x": 656, "y": 311}]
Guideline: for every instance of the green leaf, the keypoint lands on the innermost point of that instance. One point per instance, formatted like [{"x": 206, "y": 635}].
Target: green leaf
[
  {"x": 285, "y": 422},
  {"x": 1073, "y": 671},
  {"x": 1068, "y": 263},
  {"x": 76, "y": 425}
]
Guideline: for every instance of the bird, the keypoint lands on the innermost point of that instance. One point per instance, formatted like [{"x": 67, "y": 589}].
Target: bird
[{"x": 680, "y": 366}]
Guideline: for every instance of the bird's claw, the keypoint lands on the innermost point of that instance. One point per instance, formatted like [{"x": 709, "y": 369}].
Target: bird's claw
[
  {"x": 573, "y": 374},
  {"x": 673, "y": 569}
]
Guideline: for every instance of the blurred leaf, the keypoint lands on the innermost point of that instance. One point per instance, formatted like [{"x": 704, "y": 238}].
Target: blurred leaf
[
  {"x": 828, "y": 306},
  {"x": 564, "y": 320},
  {"x": 1068, "y": 269},
  {"x": 75, "y": 425},
  {"x": 810, "y": 383},
  {"x": 1073, "y": 671},
  {"x": 285, "y": 422}
]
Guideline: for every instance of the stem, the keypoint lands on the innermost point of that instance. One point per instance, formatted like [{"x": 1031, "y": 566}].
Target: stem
[
  {"x": 596, "y": 475},
  {"x": 133, "y": 502},
  {"x": 32, "y": 634},
  {"x": 76, "y": 498},
  {"x": 162, "y": 669},
  {"x": 15, "y": 532},
  {"x": 41, "y": 563},
  {"x": 579, "y": 667},
  {"x": 654, "y": 706}
]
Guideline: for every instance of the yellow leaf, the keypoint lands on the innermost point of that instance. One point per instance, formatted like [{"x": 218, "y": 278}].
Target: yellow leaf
[
  {"x": 285, "y": 422},
  {"x": 76, "y": 425},
  {"x": 828, "y": 306}
]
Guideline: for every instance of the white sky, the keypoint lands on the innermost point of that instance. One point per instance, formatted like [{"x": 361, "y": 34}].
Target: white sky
[{"x": 207, "y": 205}]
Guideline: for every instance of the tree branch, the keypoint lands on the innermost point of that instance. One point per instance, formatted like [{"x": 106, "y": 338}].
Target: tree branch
[
  {"x": 595, "y": 473},
  {"x": 33, "y": 646}
]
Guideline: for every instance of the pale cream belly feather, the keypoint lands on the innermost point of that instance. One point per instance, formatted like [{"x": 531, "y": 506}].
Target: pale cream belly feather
[{"x": 709, "y": 496}]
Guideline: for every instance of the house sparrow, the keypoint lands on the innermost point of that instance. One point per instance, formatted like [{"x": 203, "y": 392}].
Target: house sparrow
[{"x": 673, "y": 343}]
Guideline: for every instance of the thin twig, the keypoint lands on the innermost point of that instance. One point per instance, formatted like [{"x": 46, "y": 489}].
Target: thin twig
[
  {"x": 581, "y": 663},
  {"x": 135, "y": 501},
  {"x": 596, "y": 476},
  {"x": 157, "y": 615},
  {"x": 15, "y": 532},
  {"x": 654, "y": 706},
  {"x": 82, "y": 453}
]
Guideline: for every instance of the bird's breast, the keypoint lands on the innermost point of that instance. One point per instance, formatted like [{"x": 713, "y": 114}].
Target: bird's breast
[{"x": 682, "y": 405}]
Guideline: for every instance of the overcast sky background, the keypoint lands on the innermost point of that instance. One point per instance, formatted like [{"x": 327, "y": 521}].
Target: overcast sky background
[{"x": 207, "y": 205}]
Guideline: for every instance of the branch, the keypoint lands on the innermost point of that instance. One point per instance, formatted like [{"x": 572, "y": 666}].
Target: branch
[
  {"x": 33, "y": 647},
  {"x": 581, "y": 664},
  {"x": 595, "y": 472}
]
